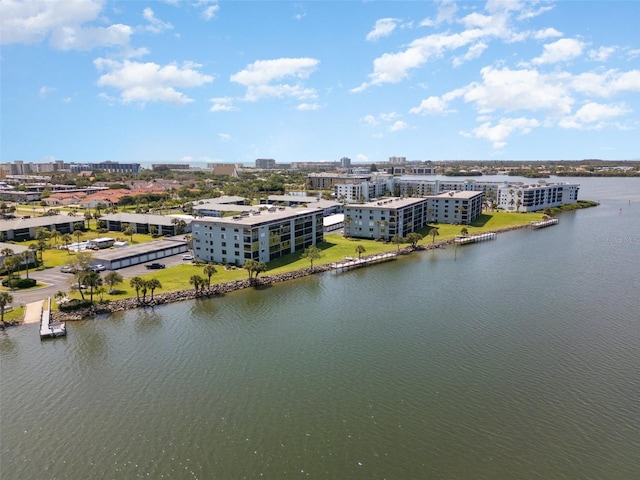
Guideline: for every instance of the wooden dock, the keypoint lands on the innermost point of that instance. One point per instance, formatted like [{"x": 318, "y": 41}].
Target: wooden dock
[
  {"x": 49, "y": 329},
  {"x": 481, "y": 237},
  {"x": 350, "y": 263},
  {"x": 545, "y": 223}
]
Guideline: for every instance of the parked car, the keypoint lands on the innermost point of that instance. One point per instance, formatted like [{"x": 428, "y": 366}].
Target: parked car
[
  {"x": 67, "y": 269},
  {"x": 187, "y": 256},
  {"x": 155, "y": 266},
  {"x": 98, "y": 268}
]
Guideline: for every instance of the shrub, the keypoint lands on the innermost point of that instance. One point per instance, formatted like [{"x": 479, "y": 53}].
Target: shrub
[
  {"x": 19, "y": 282},
  {"x": 74, "y": 304}
]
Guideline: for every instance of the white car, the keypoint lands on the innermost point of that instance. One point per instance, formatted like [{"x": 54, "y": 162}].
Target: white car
[
  {"x": 187, "y": 256},
  {"x": 98, "y": 268}
]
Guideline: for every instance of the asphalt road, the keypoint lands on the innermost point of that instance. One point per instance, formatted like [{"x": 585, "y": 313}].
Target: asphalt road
[{"x": 56, "y": 280}]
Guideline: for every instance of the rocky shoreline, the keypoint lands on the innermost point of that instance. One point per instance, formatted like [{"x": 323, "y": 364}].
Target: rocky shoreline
[{"x": 220, "y": 288}]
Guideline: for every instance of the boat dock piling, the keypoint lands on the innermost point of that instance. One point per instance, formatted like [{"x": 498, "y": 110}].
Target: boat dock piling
[
  {"x": 49, "y": 329},
  {"x": 481, "y": 237},
  {"x": 350, "y": 263},
  {"x": 545, "y": 223}
]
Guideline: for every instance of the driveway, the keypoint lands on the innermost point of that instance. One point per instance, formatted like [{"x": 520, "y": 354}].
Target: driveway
[{"x": 55, "y": 280}]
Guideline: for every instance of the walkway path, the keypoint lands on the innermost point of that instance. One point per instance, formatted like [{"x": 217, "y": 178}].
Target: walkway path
[{"x": 33, "y": 311}]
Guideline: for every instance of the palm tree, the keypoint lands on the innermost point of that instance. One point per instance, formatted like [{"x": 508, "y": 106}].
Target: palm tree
[
  {"x": 128, "y": 230},
  {"x": 414, "y": 238},
  {"x": 209, "y": 270},
  {"x": 66, "y": 240},
  {"x": 26, "y": 255},
  {"x": 197, "y": 281},
  {"x": 112, "y": 279},
  {"x": 254, "y": 268},
  {"x": 347, "y": 226},
  {"x": 136, "y": 282},
  {"x": 5, "y": 299},
  {"x": 77, "y": 231},
  {"x": 153, "y": 283},
  {"x": 311, "y": 253},
  {"x": 360, "y": 250},
  {"x": 434, "y": 233},
  {"x": 91, "y": 279},
  {"x": 464, "y": 231}
]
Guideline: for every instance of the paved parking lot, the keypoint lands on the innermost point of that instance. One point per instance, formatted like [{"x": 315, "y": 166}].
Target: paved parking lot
[{"x": 56, "y": 280}]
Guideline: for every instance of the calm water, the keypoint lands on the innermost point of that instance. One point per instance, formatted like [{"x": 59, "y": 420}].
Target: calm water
[{"x": 512, "y": 359}]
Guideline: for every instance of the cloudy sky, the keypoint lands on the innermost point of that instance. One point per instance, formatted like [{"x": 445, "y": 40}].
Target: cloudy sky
[{"x": 207, "y": 81}]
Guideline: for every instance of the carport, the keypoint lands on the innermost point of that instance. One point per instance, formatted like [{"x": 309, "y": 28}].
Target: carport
[{"x": 115, "y": 258}]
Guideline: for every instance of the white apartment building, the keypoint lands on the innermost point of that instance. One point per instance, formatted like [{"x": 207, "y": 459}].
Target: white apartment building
[
  {"x": 530, "y": 198},
  {"x": 261, "y": 235},
  {"x": 364, "y": 190},
  {"x": 392, "y": 216}
]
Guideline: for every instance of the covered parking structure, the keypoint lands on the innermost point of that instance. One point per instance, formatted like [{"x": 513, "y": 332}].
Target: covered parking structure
[{"x": 116, "y": 258}]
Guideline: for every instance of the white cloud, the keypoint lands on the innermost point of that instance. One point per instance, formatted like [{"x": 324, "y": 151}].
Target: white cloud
[
  {"x": 209, "y": 8},
  {"x": 594, "y": 115},
  {"x": 383, "y": 28},
  {"x": 44, "y": 91},
  {"x": 601, "y": 54},
  {"x": 561, "y": 51},
  {"x": 149, "y": 82},
  {"x": 222, "y": 104},
  {"x": 258, "y": 78},
  {"x": 370, "y": 120},
  {"x": 474, "y": 51},
  {"x": 225, "y": 137},
  {"x": 498, "y": 134},
  {"x": 61, "y": 22},
  {"x": 511, "y": 90},
  {"x": 155, "y": 24},
  {"x": 546, "y": 33},
  {"x": 306, "y": 107},
  {"x": 606, "y": 84},
  {"x": 186, "y": 158},
  {"x": 431, "y": 106},
  {"x": 398, "y": 125}
]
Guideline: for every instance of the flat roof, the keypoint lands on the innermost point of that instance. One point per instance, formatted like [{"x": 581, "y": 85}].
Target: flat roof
[
  {"x": 458, "y": 195},
  {"x": 38, "y": 222},
  {"x": 260, "y": 217},
  {"x": 387, "y": 203},
  {"x": 140, "y": 218},
  {"x": 133, "y": 250}
]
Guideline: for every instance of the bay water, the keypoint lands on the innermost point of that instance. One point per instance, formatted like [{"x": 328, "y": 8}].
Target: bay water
[{"x": 517, "y": 358}]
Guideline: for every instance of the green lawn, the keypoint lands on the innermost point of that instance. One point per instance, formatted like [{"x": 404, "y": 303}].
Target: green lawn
[{"x": 334, "y": 248}]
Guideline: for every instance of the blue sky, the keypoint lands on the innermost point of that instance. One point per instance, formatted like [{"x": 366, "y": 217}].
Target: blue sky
[{"x": 205, "y": 81}]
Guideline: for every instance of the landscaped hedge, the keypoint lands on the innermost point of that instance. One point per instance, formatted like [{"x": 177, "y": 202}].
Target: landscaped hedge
[{"x": 19, "y": 282}]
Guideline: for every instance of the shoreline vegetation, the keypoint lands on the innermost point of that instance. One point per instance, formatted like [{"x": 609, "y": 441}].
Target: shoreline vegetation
[
  {"x": 229, "y": 279},
  {"x": 220, "y": 289}
]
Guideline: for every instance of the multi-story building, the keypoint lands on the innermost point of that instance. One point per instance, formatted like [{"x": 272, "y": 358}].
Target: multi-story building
[
  {"x": 327, "y": 181},
  {"x": 265, "y": 163},
  {"x": 170, "y": 166},
  {"x": 385, "y": 218},
  {"x": 530, "y": 198},
  {"x": 262, "y": 235},
  {"x": 392, "y": 216},
  {"x": 360, "y": 191}
]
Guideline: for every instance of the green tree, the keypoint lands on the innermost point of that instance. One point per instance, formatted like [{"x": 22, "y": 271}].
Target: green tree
[
  {"x": 434, "y": 233},
  {"x": 413, "y": 238},
  {"x": 464, "y": 231},
  {"x": 112, "y": 279},
  {"x": 360, "y": 250},
  {"x": 26, "y": 257},
  {"x": 136, "y": 283},
  {"x": 197, "y": 281},
  {"x": 311, "y": 253},
  {"x": 397, "y": 239},
  {"x": 66, "y": 240},
  {"x": 129, "y": 231},
  {"x": 254, "y": 268},
  {"x": 91, "y": 279},
  {"x": 153, "y": 284},
  {"x": 77, "y": 231},
  {"x": 5, "y": 299},
  {"x": 209, "y": 270}
]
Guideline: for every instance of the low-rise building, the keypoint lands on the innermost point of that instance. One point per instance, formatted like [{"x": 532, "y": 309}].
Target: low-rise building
[
  {"x": 21, "y": 229},
  {"x": 143, "y": 223}
]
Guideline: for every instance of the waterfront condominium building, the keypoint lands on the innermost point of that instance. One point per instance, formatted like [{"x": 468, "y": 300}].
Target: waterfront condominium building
[
  {"x": 530, "y": 198},
  {"x": 400, "y": 216},
  {"x": 262, "y": 235}
]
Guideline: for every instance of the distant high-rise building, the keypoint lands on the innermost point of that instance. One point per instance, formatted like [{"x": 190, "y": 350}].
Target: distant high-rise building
[
  {"x": 345, "y": 162},
  {"x": 397, "y": 160},
  {"x": 266, "y": 163}
]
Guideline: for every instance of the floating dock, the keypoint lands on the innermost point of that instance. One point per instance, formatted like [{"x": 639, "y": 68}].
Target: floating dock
[
  {"x": 49, "y": 329},
  {"x": 350, "y": 263},
  {"x": 481, "y": 237},
  {"x": 545, "y": 223}
]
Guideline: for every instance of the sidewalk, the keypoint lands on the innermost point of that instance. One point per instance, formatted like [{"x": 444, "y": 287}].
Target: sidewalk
[{"x": 33, "y": 311}]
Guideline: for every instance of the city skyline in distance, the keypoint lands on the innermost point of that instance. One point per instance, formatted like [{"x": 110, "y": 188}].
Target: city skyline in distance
[{"x": 229, "y": 82}]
